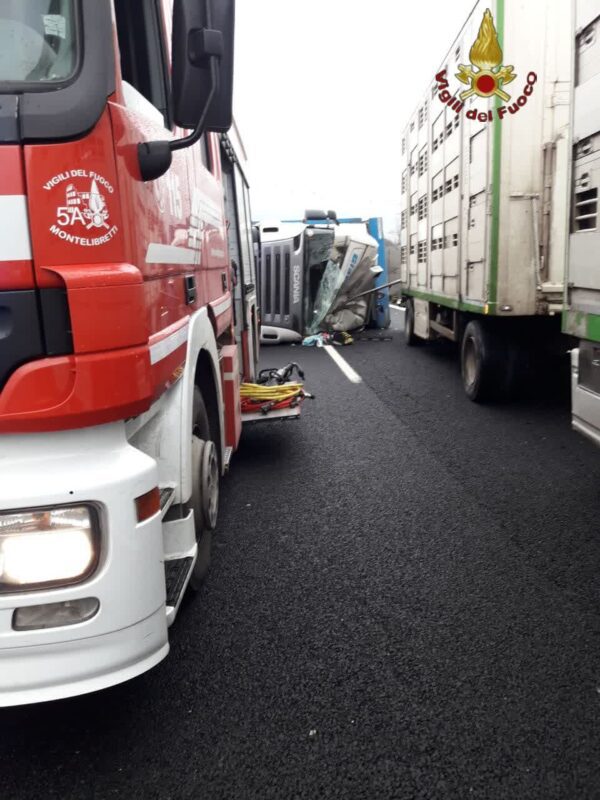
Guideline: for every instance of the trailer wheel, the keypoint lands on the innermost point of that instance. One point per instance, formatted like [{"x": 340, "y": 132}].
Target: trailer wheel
[
  {"x": 488, "y": 363},
  {"x": 409, "y": 325},
  {"x": 205, "y": 487}
]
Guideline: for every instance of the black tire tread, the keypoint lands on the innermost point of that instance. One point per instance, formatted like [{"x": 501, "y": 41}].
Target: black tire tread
[
  {"x": 497, "y": 362},
  {"x": 201, "y": 429}
]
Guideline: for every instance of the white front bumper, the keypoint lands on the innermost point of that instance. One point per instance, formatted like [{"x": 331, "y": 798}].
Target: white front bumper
[
  {"x": 128, "y": 635},
  {"x": 52, "y": 671}
]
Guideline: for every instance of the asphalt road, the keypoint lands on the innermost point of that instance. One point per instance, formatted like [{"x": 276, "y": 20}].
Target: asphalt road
[{"x": 404, "y": 603}]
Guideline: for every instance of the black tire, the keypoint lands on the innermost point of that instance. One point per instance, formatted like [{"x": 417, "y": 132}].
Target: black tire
[
  {"x": 488, "y": 363},
  {"x": 204, "y": 501},
  {"x": 409, "y": 325}
]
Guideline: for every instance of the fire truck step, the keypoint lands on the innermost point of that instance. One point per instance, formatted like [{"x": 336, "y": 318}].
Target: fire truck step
[
  {"x": 167, "y": 493},
  {"x": 228, "y": 454},
  {"x": 176, "y": 573},
  {"x": 279, "y": 414}
]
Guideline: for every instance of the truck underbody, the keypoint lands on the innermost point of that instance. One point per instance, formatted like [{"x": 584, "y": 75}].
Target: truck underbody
[{"x": 499, "y": 355}]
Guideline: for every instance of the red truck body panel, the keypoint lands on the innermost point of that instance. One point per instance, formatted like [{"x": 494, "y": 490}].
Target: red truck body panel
[{"x": 122, "y": 249}]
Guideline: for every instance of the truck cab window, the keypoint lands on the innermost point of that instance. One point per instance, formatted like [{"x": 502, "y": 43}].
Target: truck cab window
[
  {"x": 37, "y": 41},
  {"x": 143, "y": 58}
]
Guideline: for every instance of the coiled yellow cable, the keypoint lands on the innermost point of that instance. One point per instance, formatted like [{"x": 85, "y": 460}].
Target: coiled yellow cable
[{"x": 255, "y": 391}]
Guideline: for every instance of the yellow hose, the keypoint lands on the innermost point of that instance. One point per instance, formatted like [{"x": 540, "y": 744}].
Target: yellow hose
[{"x": 255, "y": 391}]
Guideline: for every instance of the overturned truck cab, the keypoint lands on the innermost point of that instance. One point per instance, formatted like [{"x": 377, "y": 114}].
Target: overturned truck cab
[{"x": 312, "y": 273}]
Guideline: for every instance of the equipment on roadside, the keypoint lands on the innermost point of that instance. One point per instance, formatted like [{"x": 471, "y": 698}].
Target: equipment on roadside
[
  {"x": 281, "y": 375},
  {"x": 274, "y": 392},
  {"x": 258, "y": 397}
]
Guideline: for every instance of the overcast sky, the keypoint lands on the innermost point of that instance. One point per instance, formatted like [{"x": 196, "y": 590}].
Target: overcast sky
[{"x": 323, "y": 91}]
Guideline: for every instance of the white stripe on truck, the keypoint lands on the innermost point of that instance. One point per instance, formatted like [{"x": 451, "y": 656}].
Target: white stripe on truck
[
  {"x": 15, "y": 244},
  {"x": 221, "y": 307},
  {"x": 164, "y": 347},
  {"x": 171, "y": 254}
]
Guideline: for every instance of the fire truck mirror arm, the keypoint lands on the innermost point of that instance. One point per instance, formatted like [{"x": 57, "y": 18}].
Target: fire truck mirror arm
[{"x": 202, "y": 78}]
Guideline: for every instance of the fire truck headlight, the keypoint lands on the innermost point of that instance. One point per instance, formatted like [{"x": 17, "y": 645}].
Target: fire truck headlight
[{"x": 45, "y": 548}]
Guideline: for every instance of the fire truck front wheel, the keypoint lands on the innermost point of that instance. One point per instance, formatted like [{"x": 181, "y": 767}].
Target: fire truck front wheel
[{"x": 205, "y": 487}]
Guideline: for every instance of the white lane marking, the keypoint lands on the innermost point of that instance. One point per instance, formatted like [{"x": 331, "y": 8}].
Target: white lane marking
[
  {"x": 168, "y": 345},
  {"x": 352, "y": 376},
  {"x": 15, "y": 244},
  {"x": 221, "y": 307},
  {"x": 170, "y": 254}
]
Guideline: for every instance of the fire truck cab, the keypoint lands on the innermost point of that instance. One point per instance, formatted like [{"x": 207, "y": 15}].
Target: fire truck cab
[{"x": 123, "y": 340}]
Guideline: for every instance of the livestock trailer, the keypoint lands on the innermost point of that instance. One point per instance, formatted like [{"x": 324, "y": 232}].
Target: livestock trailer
[{"x": 484, "y": 194}]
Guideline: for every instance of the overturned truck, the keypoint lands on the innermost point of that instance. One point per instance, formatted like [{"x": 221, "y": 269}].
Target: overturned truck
[{"x": 315, "y": 276}]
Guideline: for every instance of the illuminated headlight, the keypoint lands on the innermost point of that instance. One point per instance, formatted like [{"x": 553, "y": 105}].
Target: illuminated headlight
[{"x": 47, "y": 547}]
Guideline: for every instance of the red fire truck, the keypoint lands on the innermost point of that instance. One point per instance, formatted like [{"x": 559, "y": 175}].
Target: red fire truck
[{"x": 123, "y": 336}]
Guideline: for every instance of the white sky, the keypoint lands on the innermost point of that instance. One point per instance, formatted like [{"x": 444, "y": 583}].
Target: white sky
[{"x": 324, "y": 89}]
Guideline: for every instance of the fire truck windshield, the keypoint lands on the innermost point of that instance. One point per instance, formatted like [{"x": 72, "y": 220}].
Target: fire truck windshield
[{"x": 37, "y": 41}]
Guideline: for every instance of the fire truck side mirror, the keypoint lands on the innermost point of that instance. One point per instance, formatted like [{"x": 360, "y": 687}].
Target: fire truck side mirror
[
  {"x": 202, "y": 78},
  {"x": 203, "y": 36}
]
